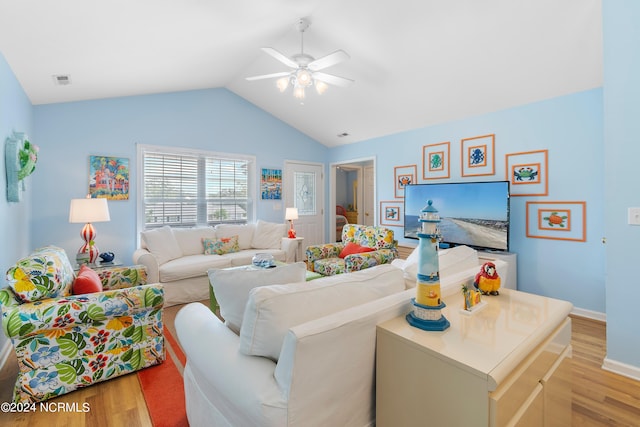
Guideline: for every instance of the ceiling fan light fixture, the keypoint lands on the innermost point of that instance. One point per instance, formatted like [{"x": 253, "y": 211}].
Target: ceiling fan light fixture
[
  {"x": 321, "y": 87},
  {"x": 303, "y": 77},
  {"x": 282, "y": 83},
  {"x": 298, "y": 92}
]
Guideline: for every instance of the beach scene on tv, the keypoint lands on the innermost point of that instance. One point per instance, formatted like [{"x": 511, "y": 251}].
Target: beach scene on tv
[{"x": 472, "y": 214}]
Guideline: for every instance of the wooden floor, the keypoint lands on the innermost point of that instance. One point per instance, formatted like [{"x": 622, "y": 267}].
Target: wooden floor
[{"x": 600, "y": 398}]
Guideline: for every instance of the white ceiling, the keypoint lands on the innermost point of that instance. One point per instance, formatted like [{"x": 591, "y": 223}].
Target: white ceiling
[{"x": 415, "y": 62}]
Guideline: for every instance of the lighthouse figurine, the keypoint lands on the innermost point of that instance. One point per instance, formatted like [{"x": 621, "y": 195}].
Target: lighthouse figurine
[{"x": 427, "y": 304}]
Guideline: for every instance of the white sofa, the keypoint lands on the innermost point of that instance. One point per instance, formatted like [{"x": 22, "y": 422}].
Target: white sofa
[
  {"x": 175, "y": 257},
  {"x": 305, "y": 353}
]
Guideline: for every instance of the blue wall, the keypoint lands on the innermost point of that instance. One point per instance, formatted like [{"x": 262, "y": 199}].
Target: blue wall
[
  {"x": 15, "y": 115},
  {"x": 215, "y": 120},
  {"x": 622, "y": 130},
  {"x": 571, "y": 128}
]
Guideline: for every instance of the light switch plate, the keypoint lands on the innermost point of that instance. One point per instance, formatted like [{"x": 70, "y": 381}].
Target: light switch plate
[{"x": 634, "y": 216}]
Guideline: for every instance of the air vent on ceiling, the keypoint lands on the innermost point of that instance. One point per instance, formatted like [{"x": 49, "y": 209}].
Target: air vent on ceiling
[
  {"x": 62, "y": 79},
  {"x": 343, "y": 134}
]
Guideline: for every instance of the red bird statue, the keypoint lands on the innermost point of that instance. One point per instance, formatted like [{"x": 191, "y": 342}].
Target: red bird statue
[{"x": 487, "y": 280}]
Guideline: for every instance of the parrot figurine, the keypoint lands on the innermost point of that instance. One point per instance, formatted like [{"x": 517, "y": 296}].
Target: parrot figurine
[{"x": 487, "y": 280}]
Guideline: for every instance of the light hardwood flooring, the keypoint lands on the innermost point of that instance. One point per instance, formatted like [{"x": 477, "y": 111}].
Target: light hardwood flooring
[{"x": 600, "y": 398}]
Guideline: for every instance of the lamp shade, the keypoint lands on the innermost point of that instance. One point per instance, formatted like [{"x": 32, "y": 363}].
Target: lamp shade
[
  {"x": 291, "y": 214},
  {"x": 89, "y": 210}
]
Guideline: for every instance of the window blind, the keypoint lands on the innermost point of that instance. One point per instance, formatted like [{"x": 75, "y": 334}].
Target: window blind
[{"x": 191, "y": 188}]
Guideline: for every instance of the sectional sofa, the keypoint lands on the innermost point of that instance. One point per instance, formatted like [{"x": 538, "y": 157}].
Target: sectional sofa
[{"x": 299, "y": 353}]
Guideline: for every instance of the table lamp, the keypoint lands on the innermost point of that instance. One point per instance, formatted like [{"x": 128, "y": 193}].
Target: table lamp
[
  {"x": 291, "y": 214},
  {"x": 88, "y": 210}
]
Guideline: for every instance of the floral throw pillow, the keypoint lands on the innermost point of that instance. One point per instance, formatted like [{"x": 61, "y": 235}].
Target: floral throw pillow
[
  {"x": 224, "y": 245},
  {"x": 46, "y": 273}
]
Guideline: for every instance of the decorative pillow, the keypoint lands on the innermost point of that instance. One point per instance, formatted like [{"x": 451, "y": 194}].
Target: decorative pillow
[
  {"x": 231, "y": 287},
  {"x": 87, "y": 282},
  {"x": 224, "y": 245},
  {"x": 268, "y": 235},
  {"x": 272, "y": 310},
  {"x": 190, "y": 239},
  {"x": 162, "y": 244},
  {"x": 354, "y": 248},
  {"x": 46, "y": 273},
  {"x": 243, "y": 231}
]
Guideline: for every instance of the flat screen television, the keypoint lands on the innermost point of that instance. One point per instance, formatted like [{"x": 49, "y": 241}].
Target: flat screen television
[{"x": 474, "y": 214}]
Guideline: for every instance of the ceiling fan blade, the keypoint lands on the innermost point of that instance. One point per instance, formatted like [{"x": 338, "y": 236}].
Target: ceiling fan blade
[
  {"x": 328, "y": 60},
  {"x": 269, "y": 76},
  {"x": 333, "y": 80},
  {"x": 280, "y": 57}
]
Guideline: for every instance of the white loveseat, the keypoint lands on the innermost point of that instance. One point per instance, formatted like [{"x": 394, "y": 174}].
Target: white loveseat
[
  {"x": 305, "y": 352},
  {"x": 175, "y": 256}
]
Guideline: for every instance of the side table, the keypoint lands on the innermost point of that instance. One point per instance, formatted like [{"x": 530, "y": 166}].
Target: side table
[
  {"x": 99, "y": 264},
  {"x": 299, "y": 253}
]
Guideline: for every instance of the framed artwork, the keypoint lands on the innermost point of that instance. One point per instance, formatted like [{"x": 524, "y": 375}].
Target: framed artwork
[
  {"x": 557, "y": 220},
  {"x": 435, "y": 161},
  {"x": 403, "y": 176},
  {"x": 527, "y": 173},
  {"x": 391, "y": 213},
  {"x": 109, "y": 177},
  {"x": 478, "y": 156},
  {"x": 271, "y": 184}
]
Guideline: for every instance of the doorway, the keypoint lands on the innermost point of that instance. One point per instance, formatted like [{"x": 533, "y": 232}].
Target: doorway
[{"x": 352, "y": 186}]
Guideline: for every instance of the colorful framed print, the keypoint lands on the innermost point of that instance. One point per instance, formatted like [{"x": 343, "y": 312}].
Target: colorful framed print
[
  {"x": 109, "y": 177},
  {"x": 435, "y": 161},
  {"x": 557, "y": 220},
  {"x": 403, "y": 176},
  {"x": 391, "y": 213},
  {"x": 527, "y": 173},
  {"x": 271, "y": 184},
  {"x": 478, "y": 156}
]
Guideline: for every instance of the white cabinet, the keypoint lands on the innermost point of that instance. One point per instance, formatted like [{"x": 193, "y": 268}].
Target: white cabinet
[{"x": 505, "y": 365}]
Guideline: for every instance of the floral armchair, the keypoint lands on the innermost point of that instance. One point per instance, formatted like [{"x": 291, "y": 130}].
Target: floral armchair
[
  {"x": 361, "y": 247},
  {"x": 63, "y": 341}
]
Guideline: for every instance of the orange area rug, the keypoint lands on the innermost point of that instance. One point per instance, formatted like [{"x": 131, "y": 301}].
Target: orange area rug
[{"x": 163, "y": 387}]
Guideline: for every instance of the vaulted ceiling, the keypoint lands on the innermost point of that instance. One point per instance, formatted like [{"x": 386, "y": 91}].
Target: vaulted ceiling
[{"x": 415, "y": 62}]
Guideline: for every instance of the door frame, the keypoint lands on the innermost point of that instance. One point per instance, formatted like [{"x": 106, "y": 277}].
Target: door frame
[{"x": 359, "y": 163}]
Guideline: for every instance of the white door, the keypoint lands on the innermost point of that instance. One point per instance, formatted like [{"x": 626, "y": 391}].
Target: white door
[
  {"x": 368, "y": 193},
  {"x": 304, "y": 189}
]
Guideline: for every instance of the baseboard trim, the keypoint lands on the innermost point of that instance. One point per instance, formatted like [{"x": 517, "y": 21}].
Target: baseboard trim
[
  {"x": 589, "y": 314},
  {"x": 620, "y": 368},
  {"x": 4, "y": 354}
]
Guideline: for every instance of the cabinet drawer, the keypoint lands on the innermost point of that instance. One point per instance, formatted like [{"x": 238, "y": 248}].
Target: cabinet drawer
[{"x": 512, "y": 393}]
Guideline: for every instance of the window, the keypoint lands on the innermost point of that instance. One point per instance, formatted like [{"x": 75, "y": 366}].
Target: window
[{"x": 186, "y": 188}]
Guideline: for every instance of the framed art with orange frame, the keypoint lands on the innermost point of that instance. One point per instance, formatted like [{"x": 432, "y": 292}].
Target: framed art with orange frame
[
  {"x": 527, "y": 173},
  {"x": 403, "y": 176},
  {"x": 557, "y": 220},
  {"x": 478, "y": 156},
  {"x": 435, "y": 161},
  {"x": 391, "y": 213}
]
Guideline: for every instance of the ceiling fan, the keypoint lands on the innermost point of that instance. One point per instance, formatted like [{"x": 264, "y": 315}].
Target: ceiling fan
[{"x": 305, "y": 68}]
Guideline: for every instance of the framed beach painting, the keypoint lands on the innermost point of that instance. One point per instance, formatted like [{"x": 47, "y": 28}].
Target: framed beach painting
[
  {"x": 478, "y": 156},
  {"x": 403, "y": 176},
  {"x": 109, "y": 177}
]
